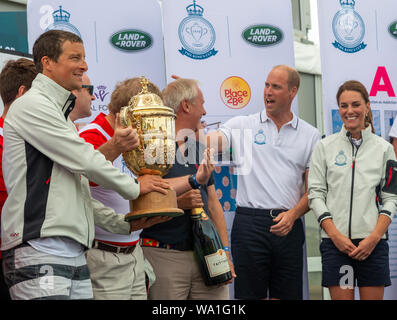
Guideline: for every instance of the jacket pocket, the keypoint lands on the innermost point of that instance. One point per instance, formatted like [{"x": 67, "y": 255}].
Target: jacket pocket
[{"x": 391, "y": 177}]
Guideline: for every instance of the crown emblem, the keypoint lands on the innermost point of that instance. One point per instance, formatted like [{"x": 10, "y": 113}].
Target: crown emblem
[
  {"x": 194, "y": 9},
  {"x": 101, "y": 87},
  {"x": 61, "y": 15},
  {"x": 347, "y": 3}
]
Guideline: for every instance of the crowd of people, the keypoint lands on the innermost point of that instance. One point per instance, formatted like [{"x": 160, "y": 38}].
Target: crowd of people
[{"x": 64, "y": 192}]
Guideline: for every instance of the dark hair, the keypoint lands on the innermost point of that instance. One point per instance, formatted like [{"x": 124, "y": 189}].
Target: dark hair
[
  {"x": 50, "y": 44},
  {"x": 16, "y": 73},
  {"x": 354, "y": 85},
  {"x": 125, "y": 90}
]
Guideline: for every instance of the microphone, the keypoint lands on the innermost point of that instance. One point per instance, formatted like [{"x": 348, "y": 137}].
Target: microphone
[{"x": 348, "y": 134}]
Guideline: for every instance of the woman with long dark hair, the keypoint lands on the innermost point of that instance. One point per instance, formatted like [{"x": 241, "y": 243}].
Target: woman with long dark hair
[{"x": 352, "y": 191}]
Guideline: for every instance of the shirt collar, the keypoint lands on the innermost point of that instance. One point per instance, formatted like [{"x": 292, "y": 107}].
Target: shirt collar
[
  {"x": 365, "y": 133},
  {"x": 54, "y": 91},
  {"x": 293, "y": 123}
]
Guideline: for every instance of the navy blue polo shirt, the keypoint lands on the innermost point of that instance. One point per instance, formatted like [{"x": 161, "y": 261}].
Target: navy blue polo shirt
[{"x": 179, "y": 229}]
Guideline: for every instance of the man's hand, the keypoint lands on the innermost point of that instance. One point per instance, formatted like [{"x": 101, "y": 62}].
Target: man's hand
[
  {"x": 124, "y": 139},
  {"x": 145, "y": 222},
  {"x": 285, "y": 221},
  {"x": 191, "y": 199},
  {"x": 150, "y": 183},
  {"x": 206, "y": 167}
]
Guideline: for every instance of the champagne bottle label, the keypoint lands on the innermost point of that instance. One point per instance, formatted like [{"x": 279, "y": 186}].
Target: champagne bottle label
[{"x": 217, "y": 263}]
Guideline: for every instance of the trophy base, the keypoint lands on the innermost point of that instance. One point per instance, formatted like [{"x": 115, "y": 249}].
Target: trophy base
[{"x": 154, "y": 204}]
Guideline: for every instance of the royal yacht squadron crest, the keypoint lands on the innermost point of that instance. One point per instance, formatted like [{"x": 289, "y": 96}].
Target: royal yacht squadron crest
[
  {"x": 196, "y": 34},
  {"x": 260, "y": 138},
  {"x": 348, "y": 28},
  {"x": 61, "y": 22},
  {"x": 341, "y": 159}
]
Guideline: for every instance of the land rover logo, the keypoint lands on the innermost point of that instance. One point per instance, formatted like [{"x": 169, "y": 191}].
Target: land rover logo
[
  {"x": 393, "y": 29},
  {"x": 131, "y": 40},
  {"x": 263, "y": 35}
]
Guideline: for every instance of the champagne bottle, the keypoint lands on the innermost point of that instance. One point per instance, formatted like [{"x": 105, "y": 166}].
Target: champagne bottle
[{"x": 209, "y": 251}]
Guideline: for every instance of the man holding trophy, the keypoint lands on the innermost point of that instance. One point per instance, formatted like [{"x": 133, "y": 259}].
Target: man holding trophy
[
  {"x": 169, "y": 245},
  {"x": 116, "y": 262},
  {"x": 49, "y": 216}
]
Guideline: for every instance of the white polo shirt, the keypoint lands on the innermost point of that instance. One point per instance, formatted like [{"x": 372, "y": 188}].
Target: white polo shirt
[{"x": 270, "y": 164}]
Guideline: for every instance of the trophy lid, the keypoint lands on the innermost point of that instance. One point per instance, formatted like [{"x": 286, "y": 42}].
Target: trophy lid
[{"x": 146, "y": 99}]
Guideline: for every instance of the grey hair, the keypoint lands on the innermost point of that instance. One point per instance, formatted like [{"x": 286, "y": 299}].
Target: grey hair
[{"x": 179, "y": 90}]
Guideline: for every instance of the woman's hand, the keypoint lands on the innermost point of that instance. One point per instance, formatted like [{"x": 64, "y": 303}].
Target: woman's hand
[
  {"x": 365, "y": 248},
  {"x": 343, "y": 243}
]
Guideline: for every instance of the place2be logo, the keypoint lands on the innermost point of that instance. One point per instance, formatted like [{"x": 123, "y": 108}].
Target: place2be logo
[
  {"x": 263, "y": 35},
  {"x": 131, "y": 40},
  {"x": 393, "y": 29}
]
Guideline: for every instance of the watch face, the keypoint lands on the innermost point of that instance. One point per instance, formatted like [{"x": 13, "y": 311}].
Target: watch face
[{"x": 193, "y": 182}]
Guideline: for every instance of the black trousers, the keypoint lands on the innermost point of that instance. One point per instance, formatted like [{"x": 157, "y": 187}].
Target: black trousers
[{"x": 266, "y": 265}]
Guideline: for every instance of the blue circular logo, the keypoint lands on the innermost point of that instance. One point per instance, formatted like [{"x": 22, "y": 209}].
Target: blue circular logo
[
  {"x": 348, "y": 28},
  {"x": 196, "y": 34},
  {"x": 61, "y": 22}
]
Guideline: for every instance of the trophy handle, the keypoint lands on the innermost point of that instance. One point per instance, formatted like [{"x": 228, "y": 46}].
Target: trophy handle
[{"x": 124, "y": 118}]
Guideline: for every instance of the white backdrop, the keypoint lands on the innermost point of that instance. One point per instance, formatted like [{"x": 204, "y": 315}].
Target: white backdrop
[
  {"x": 228, "y": 47},
  {"x": 356, "y": 43},
  {"x": 97, "y": 22},
  {"x": 235, "y": 57}
]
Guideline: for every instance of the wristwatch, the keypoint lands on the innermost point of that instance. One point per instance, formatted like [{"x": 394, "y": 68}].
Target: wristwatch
[{"x": 193, "y": 182}]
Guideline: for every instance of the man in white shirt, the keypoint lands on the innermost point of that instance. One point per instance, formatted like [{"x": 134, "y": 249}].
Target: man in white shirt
[{"x": 271, "y": 150}]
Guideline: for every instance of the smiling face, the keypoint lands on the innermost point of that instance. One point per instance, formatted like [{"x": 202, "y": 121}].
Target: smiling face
[
  {"x": 352, "y": 110},
  {"x": 69, "y": 68}
]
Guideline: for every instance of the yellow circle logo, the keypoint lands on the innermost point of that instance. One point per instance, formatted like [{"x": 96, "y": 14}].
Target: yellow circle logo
[{"x": 235, "y": 93}]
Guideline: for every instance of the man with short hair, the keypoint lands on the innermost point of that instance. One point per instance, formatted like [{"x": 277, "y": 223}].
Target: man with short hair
[
  {"x": 169, "y": 246},
  {"x": 15, "y": 79},
  {"x": 272, "y": 166},
  {"x": 48, "y": 218},
  {"x": 116, "y": 262},
  {"x": 84, "y": 97}
]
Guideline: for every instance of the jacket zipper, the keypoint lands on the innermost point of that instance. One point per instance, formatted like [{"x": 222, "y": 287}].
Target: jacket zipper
[{"x": 354, "y": 155}]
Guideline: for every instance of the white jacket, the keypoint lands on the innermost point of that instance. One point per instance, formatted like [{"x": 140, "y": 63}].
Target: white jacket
[{"x": 343, "y": 180}]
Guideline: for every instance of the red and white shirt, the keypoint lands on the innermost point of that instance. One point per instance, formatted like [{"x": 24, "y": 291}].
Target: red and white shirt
[{"x": 97, "y": 133}]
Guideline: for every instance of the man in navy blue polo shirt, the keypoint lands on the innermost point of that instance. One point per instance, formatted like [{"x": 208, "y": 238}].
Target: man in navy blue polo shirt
[{"x": 169, "y": 246}]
